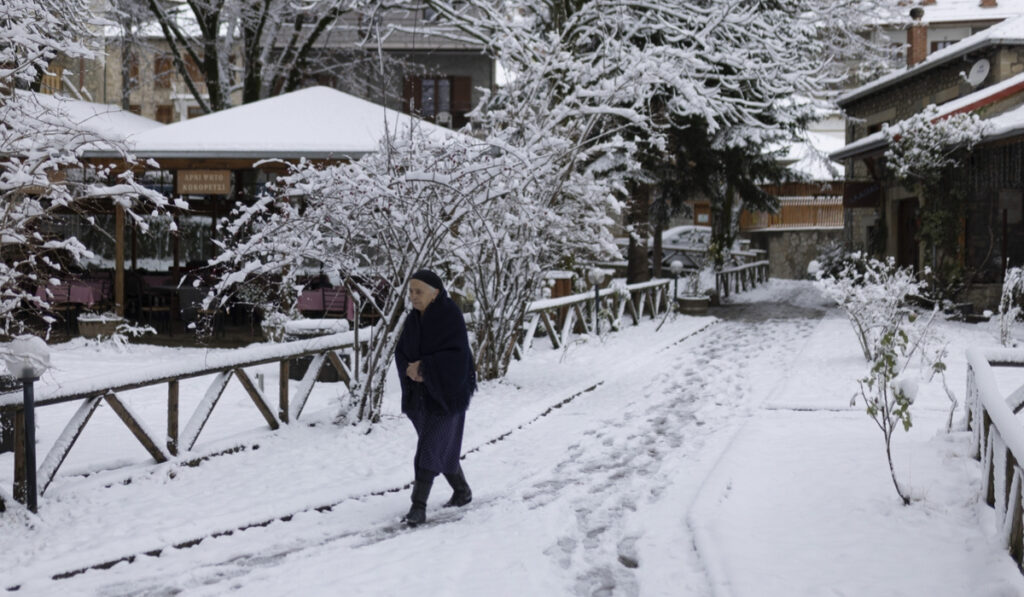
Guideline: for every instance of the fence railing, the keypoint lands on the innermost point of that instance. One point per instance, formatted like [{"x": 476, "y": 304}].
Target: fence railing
[
  {"x": 740, "y": 278},
  {"x": 998, "y": 441},
  {"x": 797, "y": 212},
  {"x": 339, "y": 350},
  {"x": 560, "y": 318}
]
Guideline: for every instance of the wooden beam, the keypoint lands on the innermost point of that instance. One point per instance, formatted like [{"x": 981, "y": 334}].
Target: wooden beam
[
  {"x": 306, "y": 385},
  {"x": 64, "y": 443},
  {"x": 282, "y": 388},
  {"x": 136, "y": 427},
  {"x": 340, "y": 367},
  {"x": 257, "y": 398},
  {"x": 202, "y": 413},
  {"x": 172, "y": 416},
  {"x": 119, "y": 260},
  {"x": 550, "y": 329}
]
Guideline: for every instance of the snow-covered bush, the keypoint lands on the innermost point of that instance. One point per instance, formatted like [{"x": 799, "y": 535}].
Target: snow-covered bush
[
  {"x": 369, "y": 224},
  {"x": 41, "y": 176},
  {"x": 924, "y": 153},
  {"x": 874, "y": 296},
  {"x": 1010, "y": 303}
]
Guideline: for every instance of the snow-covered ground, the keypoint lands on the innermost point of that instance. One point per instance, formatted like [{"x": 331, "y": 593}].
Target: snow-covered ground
[{"x": 717, "y": 456}]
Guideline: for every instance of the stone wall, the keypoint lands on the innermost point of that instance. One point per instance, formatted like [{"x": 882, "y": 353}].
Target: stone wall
[{"x": 791, "y": 250}]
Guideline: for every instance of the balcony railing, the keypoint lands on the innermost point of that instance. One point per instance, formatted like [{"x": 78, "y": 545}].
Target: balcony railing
[{"x": 797, "y": 212}]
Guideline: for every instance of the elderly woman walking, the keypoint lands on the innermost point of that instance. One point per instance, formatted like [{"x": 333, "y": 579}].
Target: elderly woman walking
[{"x": 435, "y": 366}]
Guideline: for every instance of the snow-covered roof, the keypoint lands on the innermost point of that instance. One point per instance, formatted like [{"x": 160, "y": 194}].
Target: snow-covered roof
[
  {"x": 1001, "y": 125},
  {"x": 971, "y": 11},
  {"x": 314, "y": 123},
  {"x": 1010, "y": 31},
  {"x": 62, "y": 113},
  {"x": 810, "y": 157}
]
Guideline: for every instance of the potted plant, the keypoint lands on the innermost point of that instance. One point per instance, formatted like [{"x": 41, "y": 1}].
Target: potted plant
[
  {"x": 693, "y": 301},
  {"x": 99, "y": 325}
]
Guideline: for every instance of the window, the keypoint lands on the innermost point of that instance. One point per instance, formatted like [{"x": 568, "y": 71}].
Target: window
[
  {"x": 165, "y": 113},
  {"x": 441, "y": 99},
  {"x": 194, "y": 111},
  {"x": 52, "y": 79},
  {"x": 163, "y": 68},
  {"x": 135, "y": 109},
  {"x": 938, "y": 45}
]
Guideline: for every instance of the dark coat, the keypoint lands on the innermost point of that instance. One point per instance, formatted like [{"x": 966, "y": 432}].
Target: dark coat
[{"x": 438, "y": 339}]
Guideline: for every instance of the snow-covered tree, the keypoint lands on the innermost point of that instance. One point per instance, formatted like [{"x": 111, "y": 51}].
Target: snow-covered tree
[
  {"x": 544, "y": 214},
  {"x": 265, "y": 47},
  {"x": 41, "y": 177},
  {"x": 624, "y": 75},
  {"x": 924, "y": 155}
]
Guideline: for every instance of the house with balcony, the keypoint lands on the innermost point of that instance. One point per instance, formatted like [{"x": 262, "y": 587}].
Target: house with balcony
[{"x": 981, "y": 74}]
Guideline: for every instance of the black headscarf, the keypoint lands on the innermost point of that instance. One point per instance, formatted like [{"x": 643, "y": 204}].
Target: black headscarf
[{"x": 438, "y": 339}]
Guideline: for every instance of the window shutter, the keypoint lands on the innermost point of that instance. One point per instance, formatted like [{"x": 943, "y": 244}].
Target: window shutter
[{"x": 462, "y": 94}]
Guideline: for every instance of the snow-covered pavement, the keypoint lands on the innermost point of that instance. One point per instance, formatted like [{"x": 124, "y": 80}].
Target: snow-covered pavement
[{"x": 709, "y": 458}]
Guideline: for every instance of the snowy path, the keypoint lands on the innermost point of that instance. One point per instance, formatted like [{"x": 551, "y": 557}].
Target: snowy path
[{"x": 590, "y": 499}]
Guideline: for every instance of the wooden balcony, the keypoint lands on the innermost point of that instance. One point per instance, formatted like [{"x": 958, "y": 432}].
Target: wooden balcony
[{"x": 795, "y": 213}]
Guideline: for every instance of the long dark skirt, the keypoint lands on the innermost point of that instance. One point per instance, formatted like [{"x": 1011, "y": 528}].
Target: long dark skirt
[{"x": 439, "y": 442}]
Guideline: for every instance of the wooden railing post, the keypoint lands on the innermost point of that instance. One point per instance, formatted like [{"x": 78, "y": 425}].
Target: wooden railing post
[
  {"x": 172, "y": 417},
  {"x": 282, "y": 402}
]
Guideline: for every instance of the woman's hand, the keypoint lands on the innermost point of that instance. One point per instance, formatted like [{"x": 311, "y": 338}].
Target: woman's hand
[{"x": 413, "y": 371}]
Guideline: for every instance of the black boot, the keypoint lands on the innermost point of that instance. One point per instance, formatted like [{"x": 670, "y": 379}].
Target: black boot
[
  {"x": 462, "y": 495},
  {"x": 420, "y": 492}
]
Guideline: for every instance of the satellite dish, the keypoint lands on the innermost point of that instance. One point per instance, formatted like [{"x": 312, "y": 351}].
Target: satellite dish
[{"x": 978, "y": 72}]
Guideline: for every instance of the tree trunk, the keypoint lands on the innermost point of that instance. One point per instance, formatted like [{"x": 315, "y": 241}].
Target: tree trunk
[
  {"x": 721, "y": 227},
  {"x": 638, "y": 262}
]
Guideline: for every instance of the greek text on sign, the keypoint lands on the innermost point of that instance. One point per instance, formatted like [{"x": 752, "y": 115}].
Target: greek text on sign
[{"x": 204, "y": 182}]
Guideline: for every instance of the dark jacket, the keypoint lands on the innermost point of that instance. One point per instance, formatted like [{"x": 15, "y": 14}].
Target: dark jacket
[{"x": 438, "y": 339}]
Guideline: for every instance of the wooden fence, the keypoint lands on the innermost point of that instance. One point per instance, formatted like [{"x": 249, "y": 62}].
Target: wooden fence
[
  {"x": 740, "y": 278},
  {"x": 339, "y": 350},
  {"x": 576, "y": 312},
  {"x": 797, "y": 212},
  {"x": 998, "y": 441}
]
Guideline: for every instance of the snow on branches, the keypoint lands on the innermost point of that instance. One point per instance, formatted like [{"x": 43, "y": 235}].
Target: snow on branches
[
  {"x": 490, "y": 217},
  {"x": 924, "y": 145},
  {"x": 41, "y": 176},
  {"x": 875, "y": 295}
]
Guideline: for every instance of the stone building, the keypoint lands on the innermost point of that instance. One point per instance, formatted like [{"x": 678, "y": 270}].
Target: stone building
[{"x": 981, "y": 74}]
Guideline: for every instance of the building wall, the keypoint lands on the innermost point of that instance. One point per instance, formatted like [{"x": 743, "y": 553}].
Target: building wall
[
  {"x": 934, "y": 86},
  {"x": 790, "y": 251}
]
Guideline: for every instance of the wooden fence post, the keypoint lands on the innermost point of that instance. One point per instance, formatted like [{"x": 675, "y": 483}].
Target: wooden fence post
[
  {"x": 172, "y": 417},
  {"x": 282, "y": 402}
]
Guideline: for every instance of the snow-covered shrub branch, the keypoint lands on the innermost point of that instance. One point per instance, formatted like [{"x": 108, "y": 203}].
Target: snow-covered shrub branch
[
  {"x": 874, "y": 295},
  {"x": 924, "y": 155},
  {"x": 1010, "y": 303},
  {"x": 624, "y": 75},
  {"x": 924, "y": 145}
]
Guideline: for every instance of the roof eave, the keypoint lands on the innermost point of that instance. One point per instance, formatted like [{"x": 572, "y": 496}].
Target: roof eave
[
  {"x": 869, "y": 89},
  {"x": 221, "y": 154}
]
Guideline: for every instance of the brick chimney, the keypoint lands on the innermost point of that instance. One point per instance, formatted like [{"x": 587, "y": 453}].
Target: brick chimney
[
  {"x": 988, "y": 4},
  {"x": 917, "y": 38}
]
